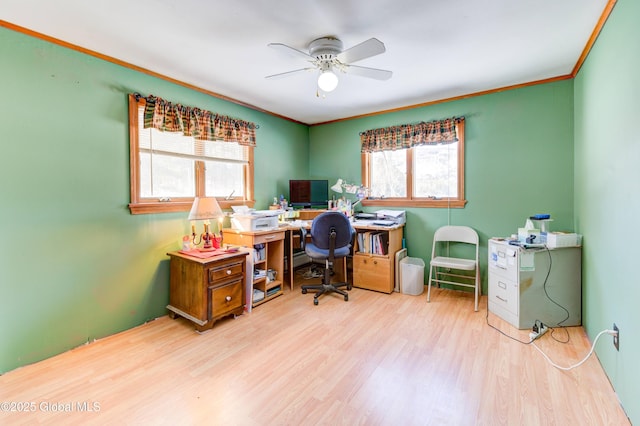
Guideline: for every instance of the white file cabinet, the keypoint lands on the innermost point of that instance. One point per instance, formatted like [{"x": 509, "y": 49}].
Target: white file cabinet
[{"x": 526, "y": 285}]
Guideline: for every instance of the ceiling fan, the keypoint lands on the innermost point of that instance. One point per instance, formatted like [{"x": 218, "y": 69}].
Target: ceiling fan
[{"x": 326, "y": 54}]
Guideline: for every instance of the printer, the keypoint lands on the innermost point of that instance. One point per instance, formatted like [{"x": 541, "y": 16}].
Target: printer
[
  {"x": 391, "y": 217},
  {"x": 246, "y": 219}
]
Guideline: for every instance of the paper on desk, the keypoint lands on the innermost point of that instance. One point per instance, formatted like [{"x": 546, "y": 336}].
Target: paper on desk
[
  {"x": 364, "y": 222},
  {"x": 390, "y": 213},
  {"x": 299, "y": 223},
  {"x": 382, "y": 222}
]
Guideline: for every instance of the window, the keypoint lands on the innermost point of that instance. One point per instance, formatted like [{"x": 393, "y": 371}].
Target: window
[
  {"x": 169, "y": 169},
  {"x": 422, "y": 175}
]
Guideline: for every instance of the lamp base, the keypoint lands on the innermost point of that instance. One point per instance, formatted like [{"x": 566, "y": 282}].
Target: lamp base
[{"x": 211, "y": 242}]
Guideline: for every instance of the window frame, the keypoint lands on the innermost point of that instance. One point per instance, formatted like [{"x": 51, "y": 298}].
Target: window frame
[
  {"x": 410, "y": 200},
  {"x": 140, "y": 205}
]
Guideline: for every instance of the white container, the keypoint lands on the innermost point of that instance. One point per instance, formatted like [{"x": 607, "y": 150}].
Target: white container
[
  {"x": 562, "y": 239},
  {"x": 412, "y": 276}
]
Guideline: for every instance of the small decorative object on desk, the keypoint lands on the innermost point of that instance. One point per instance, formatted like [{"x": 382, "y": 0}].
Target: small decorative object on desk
[
  {"x": 186, "y": 243},
  {"x": 216, "y": 241}
]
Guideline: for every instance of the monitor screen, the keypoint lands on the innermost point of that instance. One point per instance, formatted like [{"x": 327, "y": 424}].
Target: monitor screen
[{"x": 308, "y": 193}]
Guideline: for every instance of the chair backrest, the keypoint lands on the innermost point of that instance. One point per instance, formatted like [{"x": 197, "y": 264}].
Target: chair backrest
[
  {"x": 458, "y": 234},
  {"x": 461, "y": 234},
  {"x": 321, "y": 228}
]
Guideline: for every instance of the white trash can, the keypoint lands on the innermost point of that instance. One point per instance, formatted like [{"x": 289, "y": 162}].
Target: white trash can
[{"x": 412, "y": 276}]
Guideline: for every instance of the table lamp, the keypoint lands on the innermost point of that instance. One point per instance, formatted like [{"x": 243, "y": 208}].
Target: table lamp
[
  {"x": 337, "y": 187},
  {"x": 205, "y": 208}
]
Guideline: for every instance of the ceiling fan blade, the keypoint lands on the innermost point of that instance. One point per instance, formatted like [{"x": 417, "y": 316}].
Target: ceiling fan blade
[
  {"x": 288, "y": 73},
  {"x": 374, "y": 73},
  {"x": 361, "y": 51},
  {"x": 291, "y": 51}
]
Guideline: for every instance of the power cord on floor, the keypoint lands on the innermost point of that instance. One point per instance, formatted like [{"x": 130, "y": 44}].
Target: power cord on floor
[
  {"x": 531, "y": 342},
  {"x": 502, "y": 332},
  {"x": 571, "y": 367}
]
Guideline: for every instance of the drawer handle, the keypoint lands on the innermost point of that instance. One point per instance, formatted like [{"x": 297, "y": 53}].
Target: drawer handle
[
  {"x": 375, "y": 262},
  {"x": 227, "y": 299},
  {"x": 228, "y": 271},
  {"x": 500, "y": 298},
  {"x": 269, "y": 237},
  {"x": 502, "y": 285}
]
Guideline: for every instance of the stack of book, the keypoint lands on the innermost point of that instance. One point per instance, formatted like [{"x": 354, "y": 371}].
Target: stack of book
[
  {"x": 273, "y": 290},
  {"x": 258, "y": 295},
  {"x": 259, "y": 273},
  {"x": 374, "y": 242}
]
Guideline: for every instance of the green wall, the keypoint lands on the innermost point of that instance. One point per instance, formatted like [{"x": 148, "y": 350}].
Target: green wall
[
  {"x": 75, "y": 264},
  {"x": 607, "y": 175},
  {"x": 518, "y": 161}
]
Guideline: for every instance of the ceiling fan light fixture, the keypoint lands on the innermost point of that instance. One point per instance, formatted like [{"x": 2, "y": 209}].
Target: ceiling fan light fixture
[{"x": 327, "y": 81}]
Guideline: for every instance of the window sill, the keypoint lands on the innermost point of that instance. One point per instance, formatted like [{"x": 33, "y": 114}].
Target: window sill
[
  {"x": 397, "y": 202},
  {"x": 180, "y": 206}
]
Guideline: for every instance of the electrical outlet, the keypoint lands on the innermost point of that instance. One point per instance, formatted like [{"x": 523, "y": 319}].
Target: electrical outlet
[{"x": 616, "y": 337}]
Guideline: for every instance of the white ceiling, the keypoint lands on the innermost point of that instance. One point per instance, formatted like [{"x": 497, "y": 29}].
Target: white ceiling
[{"x": 437, "y": 49}]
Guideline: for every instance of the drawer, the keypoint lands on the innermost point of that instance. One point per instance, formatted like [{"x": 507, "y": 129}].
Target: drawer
[
  {"x": 503, "y": 293},
  {"x": 372, "y": 273},
  {"x": 267, "y": 238},
  {"x": 504, "y": 260},
  {"x": 225, "y": 299},
  {"x": 220, "y": 273}
]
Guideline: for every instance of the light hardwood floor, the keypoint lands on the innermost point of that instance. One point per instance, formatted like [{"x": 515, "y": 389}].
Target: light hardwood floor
[{"x": 377, "y": 360}]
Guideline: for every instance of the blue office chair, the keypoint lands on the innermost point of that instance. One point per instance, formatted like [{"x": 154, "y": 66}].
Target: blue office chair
[{"x": 331, "y": 238}]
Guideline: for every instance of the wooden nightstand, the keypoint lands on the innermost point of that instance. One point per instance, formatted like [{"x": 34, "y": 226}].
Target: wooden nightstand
[{"x": 205, "y": 290}]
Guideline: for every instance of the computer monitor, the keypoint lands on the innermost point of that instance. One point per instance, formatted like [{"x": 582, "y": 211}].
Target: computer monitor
[{"x": 308, "y": 193}]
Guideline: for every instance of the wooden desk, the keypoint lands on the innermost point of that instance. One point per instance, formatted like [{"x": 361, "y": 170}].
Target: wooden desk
[
  {"x": 271, "y": 257},
  {"x": 205, "y": 290},
  {"x": 309, "y": 214},
  {"x": 371, "y": 271}
]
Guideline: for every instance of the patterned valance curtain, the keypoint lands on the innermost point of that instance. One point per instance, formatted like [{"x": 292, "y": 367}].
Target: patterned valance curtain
[
  {"x": 201, "y": 124},
  {"x": 408, "y": 135}
]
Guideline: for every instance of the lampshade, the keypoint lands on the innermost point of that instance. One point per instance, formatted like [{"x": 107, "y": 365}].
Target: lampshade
[
  {"x": 337, "y": 187},
  {"x": 205, "y": 208},
  {"x": 327, "y": 81}
]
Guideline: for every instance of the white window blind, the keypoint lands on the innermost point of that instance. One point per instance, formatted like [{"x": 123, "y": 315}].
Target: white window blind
[{"x": 168, "y": 164}]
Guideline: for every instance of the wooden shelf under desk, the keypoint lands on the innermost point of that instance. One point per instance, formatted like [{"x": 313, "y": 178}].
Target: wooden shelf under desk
[{"x": 273, "y": 241}]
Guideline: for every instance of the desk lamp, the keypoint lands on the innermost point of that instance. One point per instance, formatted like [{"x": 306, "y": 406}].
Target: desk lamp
[
  {"x": 205, "y": 208},
  {"x": 341, "y": 186}
]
